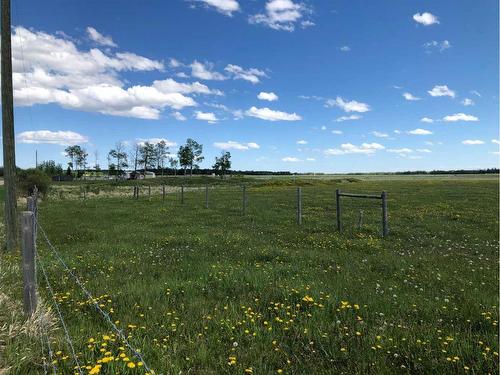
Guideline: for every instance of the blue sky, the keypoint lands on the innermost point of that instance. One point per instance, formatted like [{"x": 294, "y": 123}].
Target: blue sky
[{"x": 319, "y": 86}]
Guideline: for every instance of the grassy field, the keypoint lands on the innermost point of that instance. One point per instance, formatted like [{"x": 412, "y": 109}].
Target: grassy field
[{"x": 213, "y": 291}]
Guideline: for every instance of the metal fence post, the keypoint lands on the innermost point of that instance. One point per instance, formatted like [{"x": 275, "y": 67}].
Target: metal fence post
[
  {"x": 299, "y": 206},
  {"x": 339, "y": 210},
  {"x": 206, "y": 196},
  {"x": 385, "y": 229},
  {"x": 29, "y": 267}
]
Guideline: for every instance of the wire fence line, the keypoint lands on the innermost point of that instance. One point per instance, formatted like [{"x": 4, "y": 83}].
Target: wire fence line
[{"x": 106, "y": 316}]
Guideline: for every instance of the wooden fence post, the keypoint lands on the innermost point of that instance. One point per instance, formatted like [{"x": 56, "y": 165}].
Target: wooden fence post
[
  {"x": 163, "y": 192},
  {"x": 29, "y": 267},
  {"x": 360, "y": 219},
  {"x": 339, "y": 211},
  {"x": 299, "y": 206},
  {"x": 385, "y": 228},
  {"x": 182, "y": 194},
  {"x": 206, "y": 196},
  {"x": 137, "y": 196},
  {"x": 244, "y": 199}
]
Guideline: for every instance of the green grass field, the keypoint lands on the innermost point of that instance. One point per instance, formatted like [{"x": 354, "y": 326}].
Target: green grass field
[{"x": 213, "y": 291}]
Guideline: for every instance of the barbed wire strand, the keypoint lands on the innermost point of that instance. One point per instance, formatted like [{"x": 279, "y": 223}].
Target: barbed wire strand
[
  {"x": 68, "y": 337},
  {"x": 118, "y": 331}
]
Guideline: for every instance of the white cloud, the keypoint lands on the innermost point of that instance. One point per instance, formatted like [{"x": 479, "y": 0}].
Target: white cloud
[
  {"x": 226, "y": 7},
  {"x": 400, "y": 151},
  {"x": 348, "y": 118},
  {"x": 282, "y": 15},
  {"x": 349, "y": 148},
  {"x": 323, "y": 127},
  {"x": 271, "y": 115},
  {"x": 420, "y": 131},
  {"x": 424, "y": 150},
  {"x": 441, "y": 90},
  {"x": 290, "y": 159},
  {"x": 205, "y": 72},
  {"x": 310, "y": 159},
  {"x": 179, "y": 116},
  {"x": 474, "y": 92},
  {"x": 426, "y": 18},
  {"x": 60, "y": 73},
  {"x": 251, "y": 75},
  {"x": 174, "y": 63},
  {"x": 269, "y": 96},
  {"x": 302, "y": 142},
  {"x": 348, "y": 106},
  {"x": 460, "y": 117},
  {"x": 441, "y": 46},
  {"x": 155, "y": 141},
  {"x": 467, "y": 102},
  {"x": 337, "y": 132},
  {"x": 232, "y": 145},
  {"x": 380, "y": 134},
  {"x": 497, "y": 141},
  {"x": 473, "y": 142},
  {"x": 60, "y": 137},
  {"x": 427, "y": 120},
  {"x": 97, "y": 37},
  {"x": 206, "y": 116},
  {"x": 410, "y": 97},
  {"x": 397, "y": 131},
  {"x": 345, "y": 48}
]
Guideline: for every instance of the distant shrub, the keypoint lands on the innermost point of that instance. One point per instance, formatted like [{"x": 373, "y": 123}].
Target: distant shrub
[{"x": 30, "y": 178}]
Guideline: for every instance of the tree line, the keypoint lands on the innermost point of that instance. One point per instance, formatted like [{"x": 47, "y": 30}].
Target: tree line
[{"x": 141, "y": 157}]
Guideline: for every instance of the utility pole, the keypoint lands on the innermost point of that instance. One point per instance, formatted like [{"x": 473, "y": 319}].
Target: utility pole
[{"x": 9, "y": 147}]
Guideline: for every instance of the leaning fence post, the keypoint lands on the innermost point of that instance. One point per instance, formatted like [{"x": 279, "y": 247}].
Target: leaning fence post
[
  {"x": 299, "y": 206},
  {"x": 244, "y": 199},
  {"x": 29, "y": 268},
  {"x": 339, "y": 211},
  {"x": 182, "y": 194},
  {"x": 385, "y": 229},
  {"x": 206, "y": 196}
]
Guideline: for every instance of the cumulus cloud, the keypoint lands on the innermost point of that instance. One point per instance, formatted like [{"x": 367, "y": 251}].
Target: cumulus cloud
[
  {"x": 60, "y": 137},
  {"x": 427, "y": 120},
  {"x": 252, "y": 75},
  {"x": 473, "y": 142},
  {"x": 348, "y": 118},
  {"x": 291, "y": 159},
  {"x": 205, "y": 72},
  {"x": 467, "y": 102},
  {"x": 232, "y": 145},
  {"x": 349, "y": 148},
  {"x": 155, "y": 141},
  {"x": 435, "y": 45},
  {"x": 226, "y": 7},
  {"x": 426, "y": 18},
  {"x": 497, "y": 141},
  {"x": 337, "y": 132},
  {"x": 380, "y": 134},
  {"x": 424, "y": 150},
  {"x": 283, "y": 15},
  {"x": 441, "y": 90},
  {"x": 206, "y": 116},
  {"x": 179, "y": 116},
  {"x": 272, "y": 115},
  {"x": 61, "y": 73},
  {"x": 420, "y": 131},
  {"x": 400, "y": 151},
  {"x": 460, "y": 117},
  {"x": 302, "y": 142},
  {"x": 269, "y": 96},
  {"x": 348, "y": 106},
  {"x": 410, "y": 97},
  {"x": 97, "y": 37}
]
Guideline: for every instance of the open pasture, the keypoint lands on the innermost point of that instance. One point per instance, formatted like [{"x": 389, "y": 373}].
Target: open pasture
[{"x": 215, "y": 291}]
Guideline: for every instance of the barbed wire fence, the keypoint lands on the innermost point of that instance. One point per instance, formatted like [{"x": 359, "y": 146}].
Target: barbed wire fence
[{"x": 31, "y": 261}]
